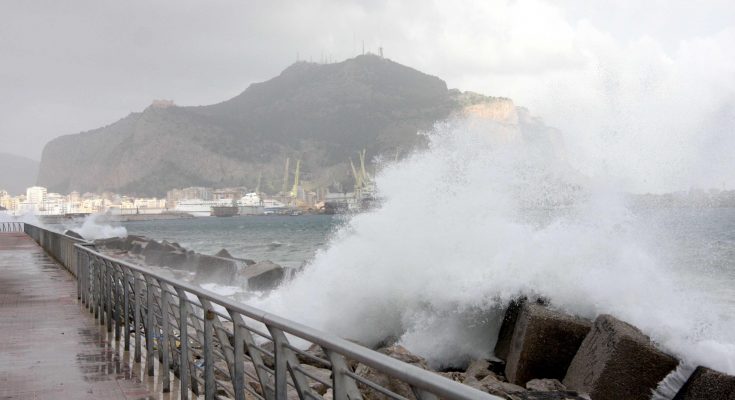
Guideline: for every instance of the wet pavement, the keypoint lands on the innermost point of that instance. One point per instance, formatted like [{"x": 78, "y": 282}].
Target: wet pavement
[{"x": 50, "y": 345}]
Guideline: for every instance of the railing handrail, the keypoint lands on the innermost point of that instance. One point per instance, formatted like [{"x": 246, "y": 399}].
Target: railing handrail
[{"x": 433, "y": 383}]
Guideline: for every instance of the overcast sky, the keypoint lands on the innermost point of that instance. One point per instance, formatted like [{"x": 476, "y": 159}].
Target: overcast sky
[{"x": 643, "y": 92}]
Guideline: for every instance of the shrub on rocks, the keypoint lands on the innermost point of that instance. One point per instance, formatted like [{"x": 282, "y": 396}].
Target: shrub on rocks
[
  {"x": 544, "y": 343},
  {"x": 705, "y": 383},
  {"x": 617, "y": 361}
]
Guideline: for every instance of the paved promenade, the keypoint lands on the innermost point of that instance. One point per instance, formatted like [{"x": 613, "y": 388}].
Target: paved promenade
[{"x": 50, "y": 347}]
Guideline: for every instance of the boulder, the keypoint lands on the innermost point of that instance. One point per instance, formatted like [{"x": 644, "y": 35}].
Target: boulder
[
  {"x": 226, "y": 254},
  {"x": 223, "y": 253},
  {"x": 617, "y": 361},
  {"x": 130, "y": 240},
  {"x": 264, "y": 275},
  {"x": 73, "y": 234},
  {"x": 478, "y": 370},
  {"x": 705, "y": 383},
  {"x": 173, "y": 259},
  {"x": 554, "y": 395},
  {"x": 454, "y": 375},
  {"x": 490, "y": 384},
  {"x": 151, "y": 252},
  {"x": 543, "y": 344},
  {"x": 136, "y": 248},
  {"x": 505, "y": 335},
  {"x": 323, "y": 374},
  {"x": 545, "y": 385},
  {"x": 111, "y": 243},
  {"x": 211, "y": 268},
  {"x": 315, "y": 351},
  {"x": 395, "y": 385}
]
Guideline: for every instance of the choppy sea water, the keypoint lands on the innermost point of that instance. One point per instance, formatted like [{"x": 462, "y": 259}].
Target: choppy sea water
[
  {"x": 286, "y": 240},
  {"x": 699, "y": 244}
]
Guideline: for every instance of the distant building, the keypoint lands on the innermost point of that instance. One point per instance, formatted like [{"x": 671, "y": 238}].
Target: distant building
[
  {"x": 36, "y": 194},
  {"x": 163, "y": 103},
  {"x": 190, "y": 193}
]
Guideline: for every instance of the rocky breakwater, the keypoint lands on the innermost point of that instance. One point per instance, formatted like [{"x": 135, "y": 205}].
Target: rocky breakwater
[{"x": 221, "y": 268}]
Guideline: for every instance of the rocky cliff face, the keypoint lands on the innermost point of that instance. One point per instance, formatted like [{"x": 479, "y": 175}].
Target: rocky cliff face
[{"x": 320, "y": 114}]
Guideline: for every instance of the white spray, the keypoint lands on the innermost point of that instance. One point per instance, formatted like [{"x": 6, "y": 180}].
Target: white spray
[
  {"x": 487, "y": 214},
  {"x": 95, "y": 227}
]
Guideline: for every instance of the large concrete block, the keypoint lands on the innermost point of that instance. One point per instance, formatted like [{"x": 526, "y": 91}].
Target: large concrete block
[
  {"x": 214, "y": 269},
  {"x": 543, "y": 344},
  {"x": 617, "y": 361},
  {"x": 264, "y": 275},
  {"x": 707, "y": 384},
  {"x": 505, "y": 335}
]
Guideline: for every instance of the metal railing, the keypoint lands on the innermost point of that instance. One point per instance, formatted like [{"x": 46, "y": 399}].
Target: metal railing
[
  {"x": 58, "y": 245},
  {"x": 7, "y": 227},
  {"x": 224, "y": 349}
]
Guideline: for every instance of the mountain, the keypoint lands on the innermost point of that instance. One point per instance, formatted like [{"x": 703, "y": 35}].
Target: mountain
[
  {"x": 17, "y": 173},
  {"x": 322, "y": 114}
]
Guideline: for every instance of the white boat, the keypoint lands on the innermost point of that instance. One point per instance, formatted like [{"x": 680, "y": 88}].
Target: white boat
[
  {"x": 200, "y": 208},
  {"x": 251, "y": 200}
]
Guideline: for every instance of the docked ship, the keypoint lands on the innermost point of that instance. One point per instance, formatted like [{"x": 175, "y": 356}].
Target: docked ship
[
  {"x": 200, "y": 208},
  {"x": 225, "y": 211}
]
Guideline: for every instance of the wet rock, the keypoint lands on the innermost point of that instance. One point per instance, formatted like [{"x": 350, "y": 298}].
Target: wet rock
[
  {"x": 226, "y": 254},
  {"x": 545, "y": 385},
  {"x": 264, "y": 275},
  {"x": 478, "y": 370},
  {"x": 617, "y": 361},
  {"x": 223, "y": 253},
  {"x": 314, "y": 351},
  {"x": 705, "y": 383},
  {"x": 505, "y": 335},
  {"x": 136, "y": 248},
  {"x": 173, "y": 259},
  {"x": 73, "y": 234},
  {"x": 132, "y": 239},
  {"x": 454, "y": 375},
  {"x": 395, "y": 385},
  {"x": 544, "y": 344},
  {"x": 323, "y": 374},
  {"x": 555, "y": 395},
  {"x": 491, "y": 385},
  {"x": 115, "y": 243},
  {"x": 210, "y": 268}
]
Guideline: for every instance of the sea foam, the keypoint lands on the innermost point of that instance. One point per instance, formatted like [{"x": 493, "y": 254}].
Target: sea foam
[{"x": 478, "y": 219}]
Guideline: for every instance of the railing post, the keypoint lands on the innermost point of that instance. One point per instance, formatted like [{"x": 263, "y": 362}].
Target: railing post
[
  {"x": 209, "y": 383},
  {"x": 254, "y": 353},
  {"x": 116, "y": 279},
  {"x": 238, "y": 370},
  {"x": 149, "y": 327},
  {"x": 78, "y": 257},
  {"x": 126, "y": 307},
  {"x": 136, "y": 316},
  {"x": 343, "y": 387},
  {"x": 164, "y": 342},
  {"x": 286, "y": 360},
  {"x": 108, "y": 293},
  {"x": 184, "y": 366}
]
